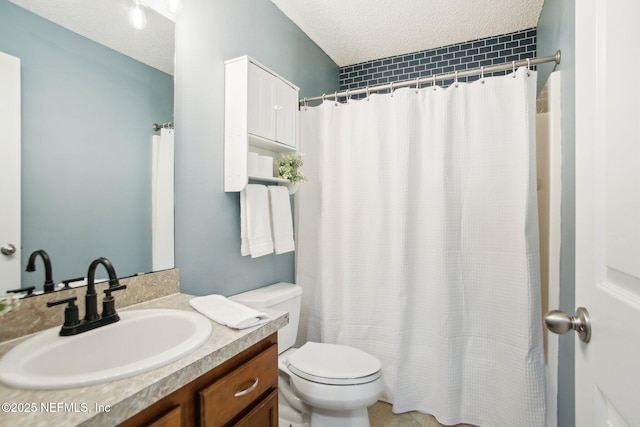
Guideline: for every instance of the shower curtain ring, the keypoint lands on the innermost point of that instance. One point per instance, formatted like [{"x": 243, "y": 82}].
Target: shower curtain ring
[
  {"x": 391, "y": 89},
  {"x": 347, "y": 95},
  {"x": 335, "y": 98},
  {"x": 323, "y": 97},
  {"x": 304, "y": 102},
  {"x": 456, "y": 80},
  {"x": 513, "y": 63},
  {"x": 528, "y": 67},
  {"x": 434, "y": 82},
  {"x": 482, "y": 75},
  {"x": 417, "y": 84},
  {"x": 366, "y": 89}
]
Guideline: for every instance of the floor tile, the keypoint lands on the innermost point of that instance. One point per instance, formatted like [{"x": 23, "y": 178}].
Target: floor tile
[{"x": 380, "y": 415}]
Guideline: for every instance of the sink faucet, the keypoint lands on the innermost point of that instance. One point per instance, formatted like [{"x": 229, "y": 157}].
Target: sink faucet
[
  {"x": 49, "y": 286},
  {"x": 92, "y": 319},
  {"x": 91, "y": 298}
]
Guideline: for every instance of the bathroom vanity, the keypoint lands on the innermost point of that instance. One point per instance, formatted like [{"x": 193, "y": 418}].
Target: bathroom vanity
[
  {"x": 230, "y": 378},
  {"x": 243, "y": 389}
]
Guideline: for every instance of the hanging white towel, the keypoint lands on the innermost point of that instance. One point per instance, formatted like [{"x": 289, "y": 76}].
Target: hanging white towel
[
  {"x": 281, "y": 220},
  {"x": 244, "y": 233},
  {"x": 256, "y": 213},
  {"x": 229, "y": 313}
]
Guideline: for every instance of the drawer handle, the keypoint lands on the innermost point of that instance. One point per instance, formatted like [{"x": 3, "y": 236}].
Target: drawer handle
[{"x": 248, "y": 389}]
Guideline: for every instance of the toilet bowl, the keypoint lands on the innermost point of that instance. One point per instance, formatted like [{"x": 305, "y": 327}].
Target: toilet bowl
[
  {"x": 320, "y": 384},
  {"x": 337, "y": 382}
]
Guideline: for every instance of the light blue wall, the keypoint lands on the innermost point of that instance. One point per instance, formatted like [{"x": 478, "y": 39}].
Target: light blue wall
[
  {"x": 556, "y": 30},
  {"x": 87, "y": 113},
  {"x": 207, "y": 218}
]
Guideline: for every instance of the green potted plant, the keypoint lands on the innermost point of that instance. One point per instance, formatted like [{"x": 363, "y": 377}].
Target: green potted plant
[{"x": 289, "y": 168}]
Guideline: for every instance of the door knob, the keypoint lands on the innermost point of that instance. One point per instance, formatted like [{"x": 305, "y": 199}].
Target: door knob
[
  {"x": 8, "y": 249},
  {"x": 560, "y": 322}
]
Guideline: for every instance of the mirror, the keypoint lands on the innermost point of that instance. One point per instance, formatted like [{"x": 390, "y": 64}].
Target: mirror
[{"x": 87, "y": 116}]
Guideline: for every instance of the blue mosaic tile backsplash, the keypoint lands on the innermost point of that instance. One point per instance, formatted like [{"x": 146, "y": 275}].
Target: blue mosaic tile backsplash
[{"x": 456, "y": 57}]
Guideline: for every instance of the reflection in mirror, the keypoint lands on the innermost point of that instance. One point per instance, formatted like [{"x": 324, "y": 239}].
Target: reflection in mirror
[{"x": 87, "y": 116}]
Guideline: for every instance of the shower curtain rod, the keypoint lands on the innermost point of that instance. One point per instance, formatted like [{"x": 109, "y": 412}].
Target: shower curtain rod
[
  {"x": 437, "y": 78},
  {"x": 157, "y": 127}
]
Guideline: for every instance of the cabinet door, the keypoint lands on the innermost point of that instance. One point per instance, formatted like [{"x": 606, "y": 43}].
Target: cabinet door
[
  {"x": 172, "y": 418},
  {"x": 164, "y": 414},
  {"x": 263, "y": 415},
  {"x": 261, "y": 103},
  {"x": 286, "y": 114}
]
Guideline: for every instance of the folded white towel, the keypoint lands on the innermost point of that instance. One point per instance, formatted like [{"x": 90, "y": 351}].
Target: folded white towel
[
  {"x": 281, "y": 220},
  {"x": 229, "y": 313},
  {"x": 244, "y": 234},
  {"x": 256, "y": 214}
]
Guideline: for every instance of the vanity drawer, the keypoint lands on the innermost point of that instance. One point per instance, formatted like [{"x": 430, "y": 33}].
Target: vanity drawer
[{"x": 228, "y": 396}]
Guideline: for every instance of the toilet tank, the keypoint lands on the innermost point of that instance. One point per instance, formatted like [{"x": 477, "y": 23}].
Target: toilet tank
[{"x": 280, "y": 296}]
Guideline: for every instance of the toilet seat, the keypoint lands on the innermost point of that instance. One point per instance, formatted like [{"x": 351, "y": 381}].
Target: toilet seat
[{"x": 334, "y": 364}]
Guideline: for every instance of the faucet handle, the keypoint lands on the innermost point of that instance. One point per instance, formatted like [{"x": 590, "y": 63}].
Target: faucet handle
[
  {"x": 71, "y": 313},
  {"x": 70, "y": 301},
  {"x": 113, "y": 289},
  {"x": 29, "y": 290},
  {"x": 66, "y": 282},
  {"x": 109, "y": 302}
]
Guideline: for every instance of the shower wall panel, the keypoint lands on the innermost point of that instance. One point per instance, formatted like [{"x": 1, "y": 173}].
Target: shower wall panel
[{"x": 456, "y": 57}]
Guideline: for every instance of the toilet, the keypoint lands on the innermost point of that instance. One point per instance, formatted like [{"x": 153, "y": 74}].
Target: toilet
[{"x": 319, "y": 384}]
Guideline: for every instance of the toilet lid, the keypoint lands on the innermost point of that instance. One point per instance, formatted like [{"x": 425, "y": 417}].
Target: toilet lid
[{"x": 334, "y": 364}]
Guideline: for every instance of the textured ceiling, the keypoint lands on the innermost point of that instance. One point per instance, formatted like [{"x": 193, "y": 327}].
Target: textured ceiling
[
  {"x": 349, "y": 31},
  {"x": 353, "y": 31},
  {"x": 107, "y": 22}
]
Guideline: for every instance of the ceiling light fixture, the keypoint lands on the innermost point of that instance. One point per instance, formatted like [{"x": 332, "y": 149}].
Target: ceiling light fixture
[
  {"x": 175, "y": 6},
  {"x": 137, "y": 17}
]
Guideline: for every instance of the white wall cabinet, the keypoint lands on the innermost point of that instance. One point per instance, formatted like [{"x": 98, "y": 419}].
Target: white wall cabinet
[
  {"x": 261, "y": 116},
  {"x": 272, "y": 107}
]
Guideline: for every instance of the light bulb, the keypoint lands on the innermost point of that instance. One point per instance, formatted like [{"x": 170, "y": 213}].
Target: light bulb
[
  {"x": 137, "y": 16},
  {"x": 175, "y": 6}
]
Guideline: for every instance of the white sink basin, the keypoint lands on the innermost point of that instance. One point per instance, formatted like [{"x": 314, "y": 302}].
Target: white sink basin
[{"x": 141, "y": 341}]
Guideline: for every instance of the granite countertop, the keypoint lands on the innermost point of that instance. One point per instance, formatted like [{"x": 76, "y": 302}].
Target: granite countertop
[{"x": 110, "y": 403}]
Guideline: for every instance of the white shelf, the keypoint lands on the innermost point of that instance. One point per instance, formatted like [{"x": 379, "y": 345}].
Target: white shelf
[{"x": 267, "y": 144}]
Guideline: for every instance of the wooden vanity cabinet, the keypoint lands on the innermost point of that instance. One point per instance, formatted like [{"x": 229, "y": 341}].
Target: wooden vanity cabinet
[{"x": 241, "y": 392}]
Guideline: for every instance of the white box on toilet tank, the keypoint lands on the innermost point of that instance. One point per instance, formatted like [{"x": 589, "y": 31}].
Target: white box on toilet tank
[{"x": 279, "y": 296}]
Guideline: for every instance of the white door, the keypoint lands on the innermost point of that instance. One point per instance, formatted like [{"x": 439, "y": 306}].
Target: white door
[
  {"x": 261, "y": 96},
  {"x": 608, "y": 211},
  {"x": 286, "y": 114},
  {"x": 9, "y": 172}
]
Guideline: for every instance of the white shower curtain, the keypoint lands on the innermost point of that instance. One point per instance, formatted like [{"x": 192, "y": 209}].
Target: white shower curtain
[
  {"x": 162, "y": 222},
  {"x": 418, "y": 243}
]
